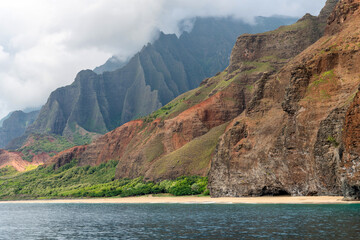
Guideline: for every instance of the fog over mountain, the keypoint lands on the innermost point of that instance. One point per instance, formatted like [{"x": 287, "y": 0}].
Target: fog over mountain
[{"x": 43, "y": 44}]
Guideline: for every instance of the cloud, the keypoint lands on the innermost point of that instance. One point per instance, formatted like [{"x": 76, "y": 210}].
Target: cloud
[{"x": 44, "y": 43}]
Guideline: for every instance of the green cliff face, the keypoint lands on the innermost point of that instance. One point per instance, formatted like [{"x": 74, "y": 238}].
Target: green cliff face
[
  {"x": 161, "y": 71},
  {"x": 14, "y": 126}
]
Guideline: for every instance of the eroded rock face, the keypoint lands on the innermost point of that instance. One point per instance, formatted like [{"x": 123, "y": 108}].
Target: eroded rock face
[
  {"x": 344, "y": 10},
  {"x": 328, "y": 152},
  {"x": 301, "y": 136},
  {"x": 15, "y": 160},
  {"x": 350, "y": 164},
  {"x": 327, "y": 10},
  {"x": 283, "y": 43},
  {"x": 66, "y": 156}
]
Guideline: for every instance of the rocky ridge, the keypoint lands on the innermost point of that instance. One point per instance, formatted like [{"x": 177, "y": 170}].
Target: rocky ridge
[
  {"x": 98, "y": 103},
  {"x": 15, "y": 125}
]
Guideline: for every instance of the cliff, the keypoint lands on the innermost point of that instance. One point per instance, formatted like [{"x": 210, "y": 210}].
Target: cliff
[
  {"x": 180, "y": 138},
  {"x": 300, "y": 139},
  {"x": 14, "y": 126}
]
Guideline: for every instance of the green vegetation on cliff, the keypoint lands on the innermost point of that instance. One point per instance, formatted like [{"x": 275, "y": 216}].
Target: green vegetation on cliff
[
  {"x": 209, "y": 87},
  {"x": 193, "y": 155},
  {"x": 71, "y": 181},
  {"x": 50, "y": 144}
]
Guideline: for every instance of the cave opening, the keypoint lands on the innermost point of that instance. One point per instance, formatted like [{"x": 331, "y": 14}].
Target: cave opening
[{"x": 271, "y": 191}]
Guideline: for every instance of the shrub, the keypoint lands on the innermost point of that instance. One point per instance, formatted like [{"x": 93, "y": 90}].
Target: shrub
[
  {"x": 71, "y": 180},
  {"x": 333, "y": 141},
  {"x": 181, "y": 188},
  {"x": 165, "y": 185}
]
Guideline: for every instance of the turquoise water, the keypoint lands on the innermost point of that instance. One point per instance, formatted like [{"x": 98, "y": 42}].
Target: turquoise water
[{"x": 178, "y": 221}]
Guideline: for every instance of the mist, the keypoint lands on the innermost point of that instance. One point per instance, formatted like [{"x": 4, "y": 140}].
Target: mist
[{"x": 44, "y": 43}]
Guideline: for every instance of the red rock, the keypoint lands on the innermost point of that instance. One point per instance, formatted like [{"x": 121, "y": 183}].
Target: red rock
[{"x": 13, "y": 159}]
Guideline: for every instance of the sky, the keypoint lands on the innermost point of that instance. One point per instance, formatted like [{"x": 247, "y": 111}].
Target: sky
[{"x": 45, "y": 43}]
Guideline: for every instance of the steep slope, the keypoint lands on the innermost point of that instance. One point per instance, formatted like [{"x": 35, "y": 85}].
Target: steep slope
[
  {"x": 4, "y": 118},
  {"x": 111, "y": 64},
  {"x": 180, "y": 138},
  {"x": 14, "y": 126},
  {"x": 153, "y": 77},
  {"x": 301, "y": 136},
  {"x": 15, "y": 160}
]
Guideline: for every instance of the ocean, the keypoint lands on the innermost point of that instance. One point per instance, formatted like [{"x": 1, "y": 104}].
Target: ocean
[{"x": 178, "y": 221}]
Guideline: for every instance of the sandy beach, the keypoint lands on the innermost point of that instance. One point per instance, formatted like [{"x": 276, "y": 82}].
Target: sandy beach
[{"x": 201, "y": 200}]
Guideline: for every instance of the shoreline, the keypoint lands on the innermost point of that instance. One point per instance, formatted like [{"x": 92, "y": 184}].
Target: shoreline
[{"x": 149, "y": 199}]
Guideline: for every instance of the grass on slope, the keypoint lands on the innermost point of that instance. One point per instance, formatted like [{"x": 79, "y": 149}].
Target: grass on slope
[
  {"x": 7, "y": 171},
  {"x": 154, "y": 149},
  {"x": 293, "y": 27},
  {"x": 71, "y": 181},
  {"x": 259, "y": 66},
  {"x": 191, "y": 98},
  {"x": 50, "y": 144},
  {"x": 215, "y": 84},
  {"x": 195, "y": 155},
  {"x": 320, "y": 88}
]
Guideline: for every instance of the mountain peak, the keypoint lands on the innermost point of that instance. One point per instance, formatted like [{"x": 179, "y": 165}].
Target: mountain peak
[{"x": 306, "y": 17}]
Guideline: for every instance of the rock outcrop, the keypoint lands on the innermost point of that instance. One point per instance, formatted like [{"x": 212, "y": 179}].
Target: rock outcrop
[{"x": 300, "y": 139}]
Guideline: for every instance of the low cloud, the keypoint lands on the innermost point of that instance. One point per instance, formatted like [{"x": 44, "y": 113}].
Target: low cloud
[{"x": 43, "y": 44}]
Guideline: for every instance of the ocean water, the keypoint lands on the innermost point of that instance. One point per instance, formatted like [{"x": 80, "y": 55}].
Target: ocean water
[{"x": 178, "y": 221}]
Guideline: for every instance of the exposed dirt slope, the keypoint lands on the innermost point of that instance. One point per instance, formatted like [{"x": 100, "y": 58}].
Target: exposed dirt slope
[{"x": 15, "y": 160}]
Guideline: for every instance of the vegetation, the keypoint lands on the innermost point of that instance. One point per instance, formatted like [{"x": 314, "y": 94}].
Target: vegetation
[
  {"x": 195, "y": 96},
  {"x": 258, "y": 66},
  {"x": 322, "y": 85},
  {"x": 50, "y": 144},
  {"x": 213, "y": 85},
  {"x": 7, "y": 171},
  {"x": 194, "y": 155},
  {"x": 333, "y": 141},
  {"x": 154, "y": 149},
  {"x": 164, "y": 111},
  {"x": 71, "y": 181},
  {"x": 79, "y": 139},
  {"x": 326, "y": 41},
  {"x": 293, "y": 27}
]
